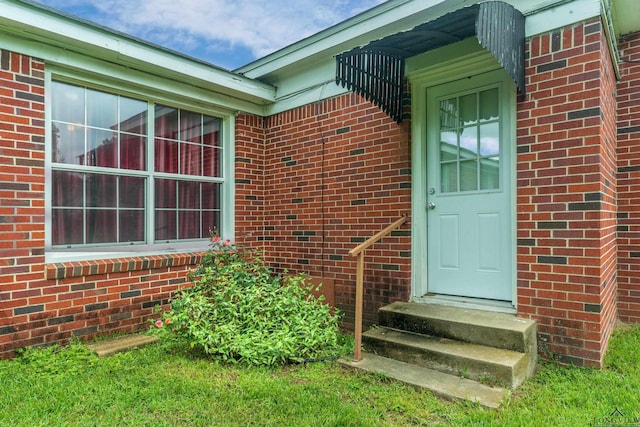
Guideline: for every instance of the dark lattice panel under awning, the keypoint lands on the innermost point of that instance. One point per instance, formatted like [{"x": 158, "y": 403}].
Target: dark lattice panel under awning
[{"x": 376, "y": 71}]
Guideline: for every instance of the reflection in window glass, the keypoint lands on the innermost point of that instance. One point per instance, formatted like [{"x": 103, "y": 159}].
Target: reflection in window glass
[
  {"x": 448, "y": 114},
  {"x": 100, "y": 178},
  {"x": 489, "y": 173},
  {"x": 489, "y": 104},
  {"x": 490, "y": 139},
  {"x": 468, "y": 109},
  {"x": 470, "y": 142},
  {"x": 449, "y": 177},
  {"x": 102, "y": 110}
]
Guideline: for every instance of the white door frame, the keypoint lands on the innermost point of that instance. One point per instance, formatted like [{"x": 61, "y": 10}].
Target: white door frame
[{"x": 444, "y": 65}]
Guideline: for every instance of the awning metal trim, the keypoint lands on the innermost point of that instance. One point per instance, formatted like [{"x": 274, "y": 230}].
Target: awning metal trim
[{"x": 376, "y": 71}]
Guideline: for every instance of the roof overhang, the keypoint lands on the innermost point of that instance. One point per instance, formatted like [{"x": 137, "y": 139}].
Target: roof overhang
[
  {"x": 376, "y": 70},
  {"x": 66, "y": 41}
]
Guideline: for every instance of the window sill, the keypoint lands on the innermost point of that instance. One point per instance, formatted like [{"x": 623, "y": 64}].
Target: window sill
[{"x": 63, "y": 270}]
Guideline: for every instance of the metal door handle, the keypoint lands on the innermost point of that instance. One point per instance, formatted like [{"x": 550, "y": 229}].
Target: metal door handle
[{"x": 431, "y": 205}]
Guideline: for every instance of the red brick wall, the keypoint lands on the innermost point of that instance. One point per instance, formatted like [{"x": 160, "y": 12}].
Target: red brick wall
[
  {"x": 629, "y": 181},
  {"x": 566, "y": 193},
  {"x": 42, "y": 303},
  {"x": 337, "y": 172},
  {"x": 249, "y": 180}
]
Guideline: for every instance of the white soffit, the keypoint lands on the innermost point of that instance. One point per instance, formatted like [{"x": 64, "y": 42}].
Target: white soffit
[{"x": 626, "y": 16}]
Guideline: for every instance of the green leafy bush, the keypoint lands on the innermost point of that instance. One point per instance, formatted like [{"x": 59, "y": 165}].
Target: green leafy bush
[{"x": 239, "y": 311}]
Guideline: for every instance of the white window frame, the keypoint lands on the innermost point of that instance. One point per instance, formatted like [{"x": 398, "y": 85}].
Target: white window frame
[{"x": 176, "y": 100}]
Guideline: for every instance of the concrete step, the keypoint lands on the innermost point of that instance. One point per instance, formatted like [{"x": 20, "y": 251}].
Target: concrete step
[
  {"x": 477, "y": 362},
  {"x": 115, "y": 345},
  {"x": 443, "y": 385},
  {"x": 486, "y": 328}
]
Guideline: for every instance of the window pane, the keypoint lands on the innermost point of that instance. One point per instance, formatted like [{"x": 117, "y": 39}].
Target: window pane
[
  {"x": 190, "y": 126},
  {"x": 469, "y": 143},
  {"x": 210, "y": 196},
  {"x": 133, "y": 116},
  {"x": 188, "y": 195},
  {"x": 190, "y": 159},
  {"x": 212, "y": 162},
  {"x": 67, "y": 144},
  {"x": 133, "y": 152},
  {"x": 449, "y": 177},
  {"x": 489, "y": 104},
  {"x": 166, "y": 156},
  {"x": 131, "y": 226},
  {"x": 468, "y": 175},
  {"x": 67, "y": 226},
  {"x": 166, "y": 122},
  {"x": 131, "y": 192},
  {"x": 211, "y": 130},
  {"x": 210, "y": 222},
  {"x": 102, "y": 148},
  {"x": 101, "y": 226},
  {"x": 448, "y": 114},
  {"x": 102, "y": 110},
  {"x": 468, "y": 112},
  {"x": 101, "y": 190},
  {"x": 67, "y": 189},
  {"x": 490, "y": 139},
  {"x": 165, "y": 225},
  {"x": 448, "y": 146},
  {"x": 67, "y": 103},
  {"x": 489, "y": 173},
  {"x": 189, "y": 224},
  {"x": 165, "y": 193}
]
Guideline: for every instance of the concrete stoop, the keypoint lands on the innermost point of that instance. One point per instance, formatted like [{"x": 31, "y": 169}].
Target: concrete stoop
[
  {"x": 456, "y": 352},
  {"x": 122, "y": 343}
]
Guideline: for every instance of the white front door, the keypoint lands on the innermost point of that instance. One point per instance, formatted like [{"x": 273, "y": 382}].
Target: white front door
[{"x": 469, "y": 201}]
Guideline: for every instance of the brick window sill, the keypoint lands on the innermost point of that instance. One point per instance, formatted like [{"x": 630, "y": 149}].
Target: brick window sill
[{"x": 63, "y": 270}]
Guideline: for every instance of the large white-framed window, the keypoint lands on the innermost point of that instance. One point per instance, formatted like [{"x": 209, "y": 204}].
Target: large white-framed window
[{"x": 133, "y": 173}]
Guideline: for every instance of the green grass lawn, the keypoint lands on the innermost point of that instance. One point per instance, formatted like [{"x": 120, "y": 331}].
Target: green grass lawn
[{"x": 153, "y": 387}]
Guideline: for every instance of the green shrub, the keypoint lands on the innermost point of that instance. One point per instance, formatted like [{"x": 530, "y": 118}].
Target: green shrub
[{"x": 239, "y": 311}]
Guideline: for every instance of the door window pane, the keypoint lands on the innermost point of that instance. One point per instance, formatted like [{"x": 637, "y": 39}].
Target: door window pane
[
  {"x": 468, "y": 109},
  {"x": 470, "y": 142},
  {"x": 449, "y": 114},
  {"x": 469, "y": 175},
  {"x": 489, "y": 104},
  {"x": 448, "y": 146},
  {"x": 489, "y": 173},
  {"x": 449, "y": 177}
]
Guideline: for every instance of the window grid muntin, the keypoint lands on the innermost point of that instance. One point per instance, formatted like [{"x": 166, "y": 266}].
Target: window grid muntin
[
  {"x": 446, "y": 115},
  {"x": 149, "y": 174}
]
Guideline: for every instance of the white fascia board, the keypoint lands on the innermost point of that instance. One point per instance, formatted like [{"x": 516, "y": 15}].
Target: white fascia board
[{"x": 30, "y": 22}]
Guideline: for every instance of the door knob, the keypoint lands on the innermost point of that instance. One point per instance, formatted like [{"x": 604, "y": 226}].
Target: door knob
[{"x": 431, "y": 205}]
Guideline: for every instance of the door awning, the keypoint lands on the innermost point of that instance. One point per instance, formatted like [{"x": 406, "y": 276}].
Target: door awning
[{"x": 376, "y": 71}]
